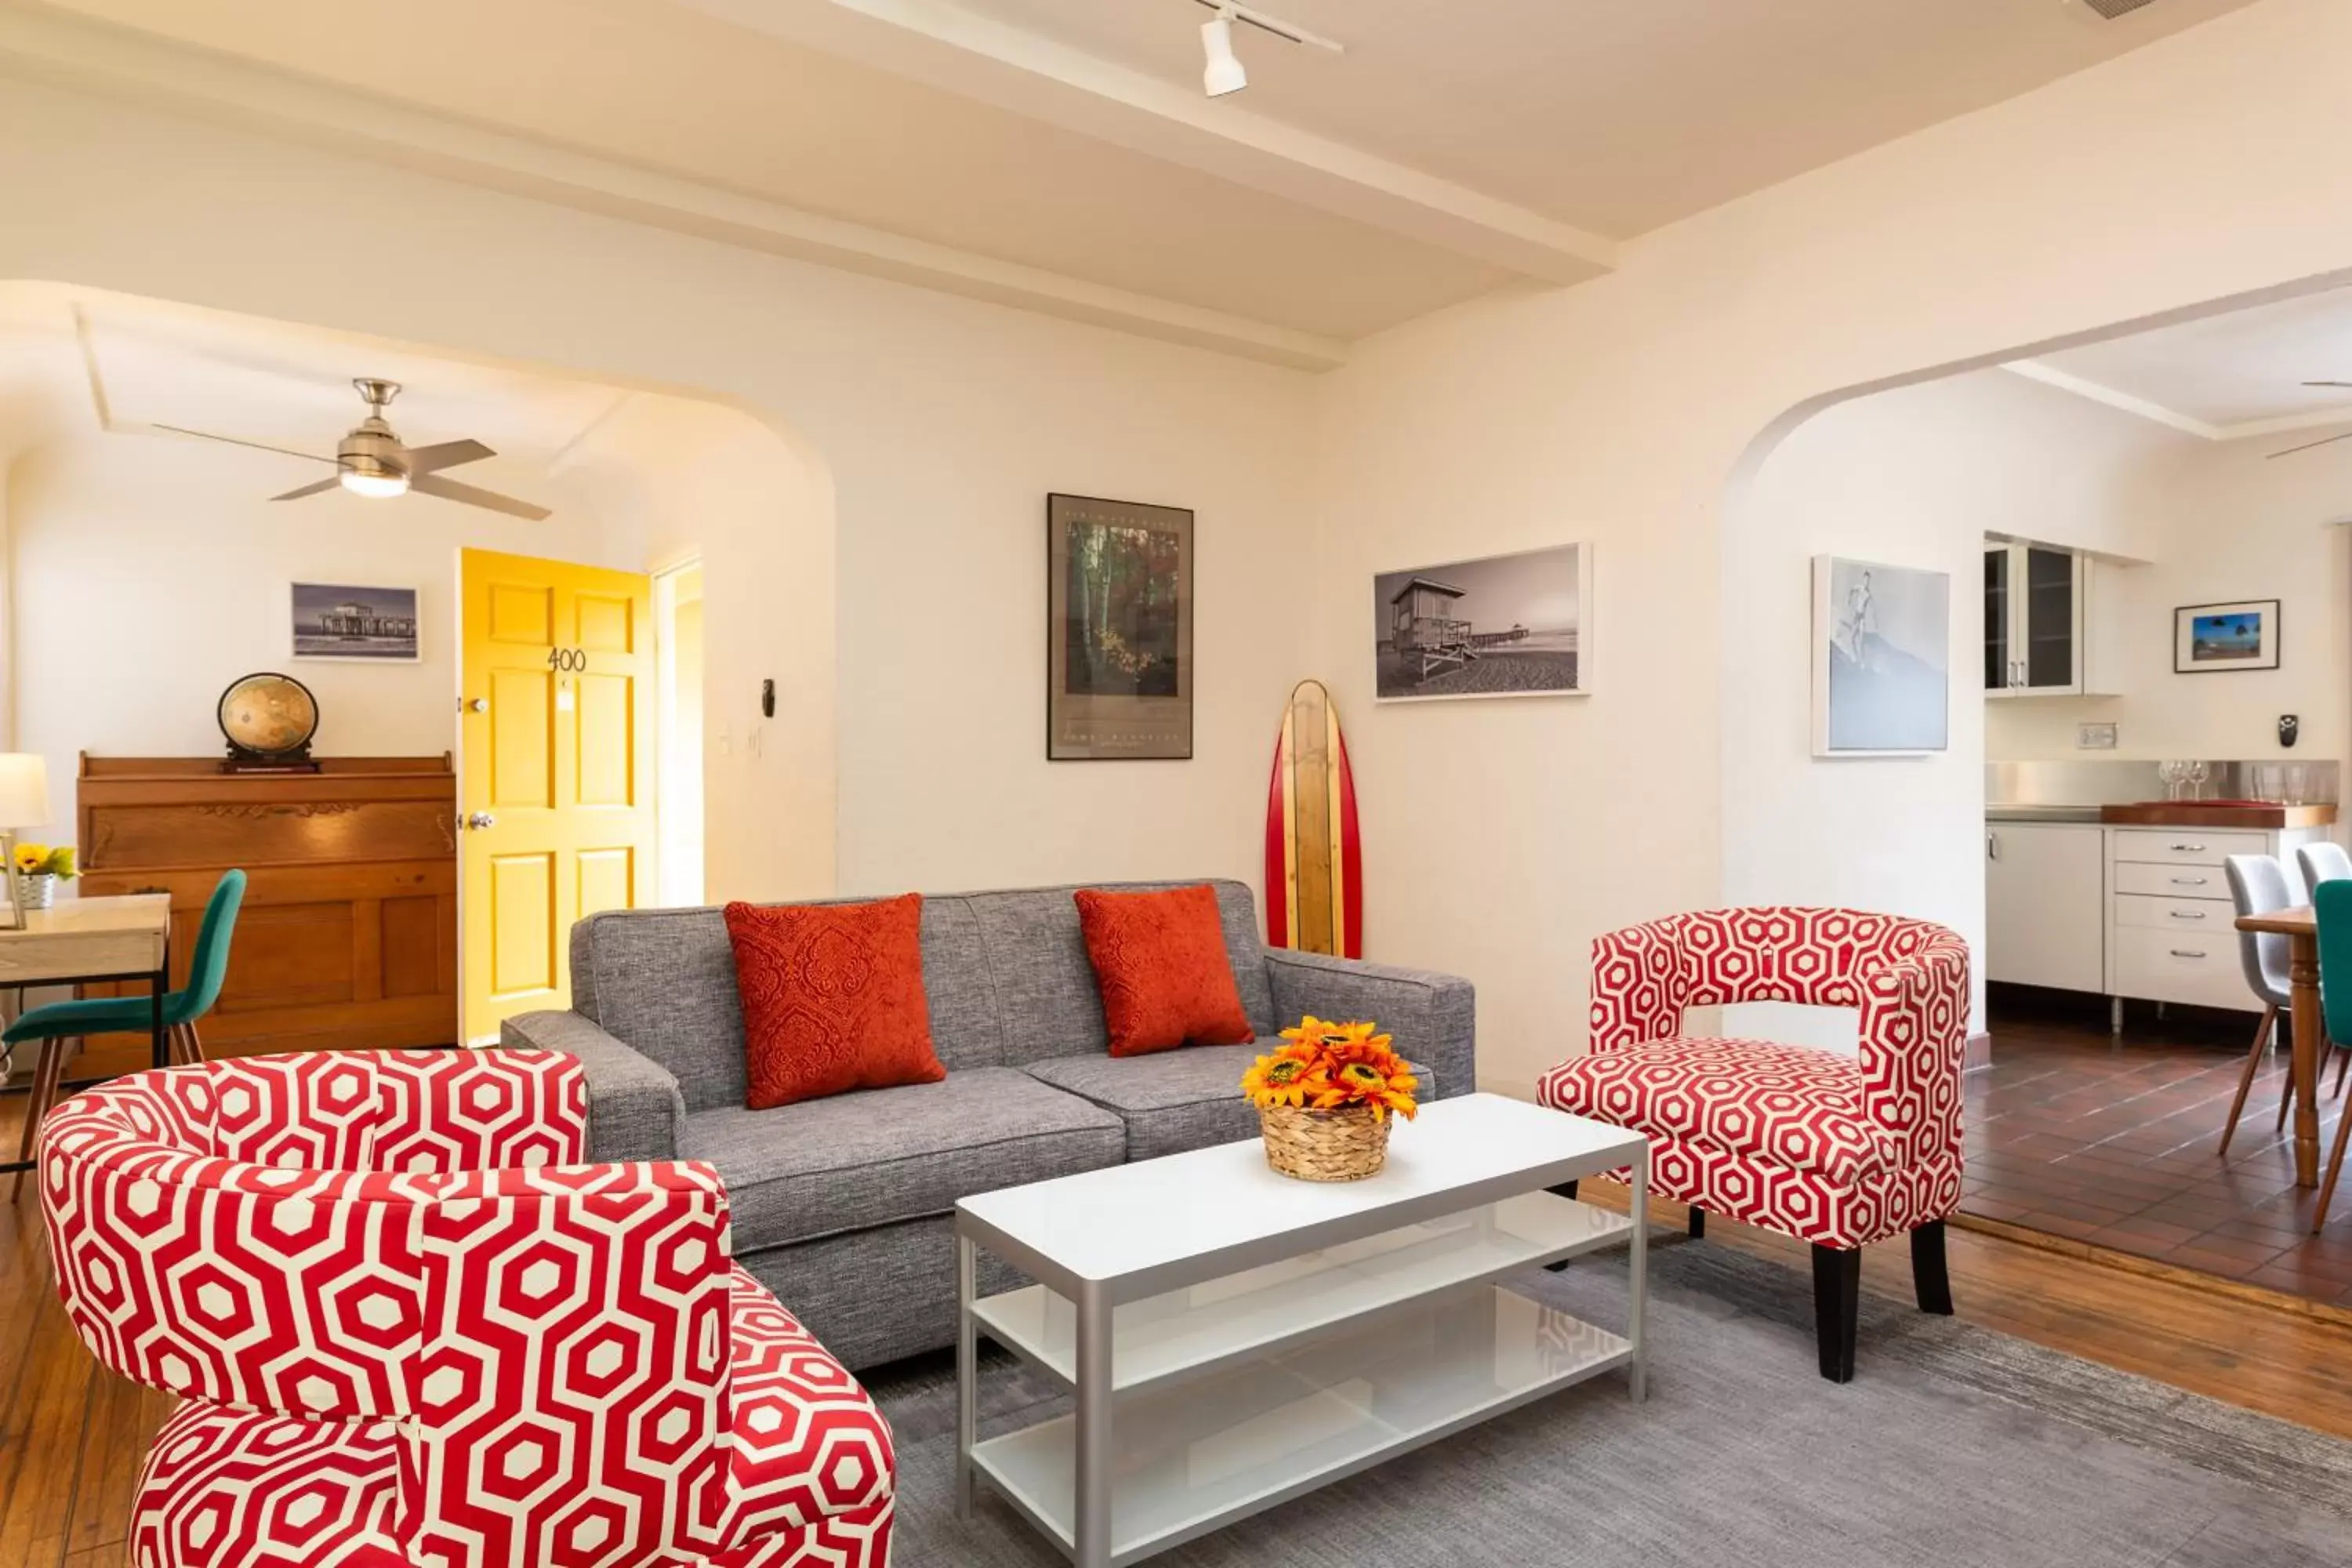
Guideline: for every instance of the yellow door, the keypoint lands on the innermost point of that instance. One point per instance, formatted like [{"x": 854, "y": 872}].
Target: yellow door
[{"x": 556, "y": 771}]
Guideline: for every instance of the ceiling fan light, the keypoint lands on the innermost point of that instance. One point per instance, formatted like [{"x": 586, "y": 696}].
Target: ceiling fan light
[
  {"x": 375, "y": 485},
  {"x": 1224, "y": 73}
]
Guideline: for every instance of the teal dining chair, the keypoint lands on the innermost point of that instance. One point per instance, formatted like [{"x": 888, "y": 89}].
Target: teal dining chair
[
  {"x": 2332, "y": 901},
  {"x": 58, "y": 1022}
]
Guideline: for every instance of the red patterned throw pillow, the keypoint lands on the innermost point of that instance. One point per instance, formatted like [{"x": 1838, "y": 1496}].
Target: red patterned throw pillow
[
  {"x": 1161, "y": 960},
  {"x": 832, "y": 998}
]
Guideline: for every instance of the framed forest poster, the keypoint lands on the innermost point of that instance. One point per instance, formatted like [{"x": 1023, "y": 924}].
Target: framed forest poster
[{"x": 1118, "y": 630}]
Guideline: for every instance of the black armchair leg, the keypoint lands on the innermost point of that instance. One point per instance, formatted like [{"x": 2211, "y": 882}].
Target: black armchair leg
[
  {"x": 1566, "y": 1190},
  {"x": 1837, "y": 1308},
  {"x": 1696, "y": 1223},
  {"x": 1929, "y": 1276}
]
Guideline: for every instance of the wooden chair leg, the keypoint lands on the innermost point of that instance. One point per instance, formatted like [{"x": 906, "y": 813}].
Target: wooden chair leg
[
  {"x": 1930, "y": 1280},
  {"x": 1696, "y": 1223},
  {"x": 2334, "y": 1169},
  {"x": 48, "y": 1074},
  {"x": 2343, "y": 1061},
  {"x": 1837, "y": 1308},
  {"x": 187, "y": 1049},
  {"x": 2246, "y": 1079}
]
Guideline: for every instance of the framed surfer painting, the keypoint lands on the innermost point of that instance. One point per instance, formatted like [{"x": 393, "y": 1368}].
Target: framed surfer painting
[
  {"x": 1500, "y": 626},
  {"x": 1118, "y": 630},
  {"x": 1882, "y": 660}
]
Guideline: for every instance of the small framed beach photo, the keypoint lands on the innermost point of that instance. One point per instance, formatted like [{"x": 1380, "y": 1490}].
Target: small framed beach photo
[
  {"x": 1495, "y": 626},
  {"x": 369, "y": 625},
  {"x": 2209, "y": 638}
]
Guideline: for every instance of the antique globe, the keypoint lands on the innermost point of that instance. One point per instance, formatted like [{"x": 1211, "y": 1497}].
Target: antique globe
[{"x": 268, "y": 715}]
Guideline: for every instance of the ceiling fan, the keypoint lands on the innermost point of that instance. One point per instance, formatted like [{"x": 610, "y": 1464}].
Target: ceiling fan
[
  {"x": 2324, "y": 440},
  {"x": 370, "y": 460}
]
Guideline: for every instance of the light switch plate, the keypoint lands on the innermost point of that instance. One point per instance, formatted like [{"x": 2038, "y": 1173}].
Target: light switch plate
[{"x": 2096, "y": 737}]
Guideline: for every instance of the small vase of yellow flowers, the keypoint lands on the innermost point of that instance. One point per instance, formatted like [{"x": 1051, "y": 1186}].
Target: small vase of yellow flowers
[
  {"x": 38, "y": 869},
  {"x": 1324, "y": 1099}
]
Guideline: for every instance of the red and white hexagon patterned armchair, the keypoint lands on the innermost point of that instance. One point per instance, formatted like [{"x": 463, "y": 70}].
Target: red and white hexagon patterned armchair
[
  {"x": 413, "y": 1327},
  {"x": 1834, "y": 1150}
]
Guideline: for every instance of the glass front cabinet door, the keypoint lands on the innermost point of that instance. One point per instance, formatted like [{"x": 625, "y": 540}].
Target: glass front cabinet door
[{"x": 2035, "y": 618}]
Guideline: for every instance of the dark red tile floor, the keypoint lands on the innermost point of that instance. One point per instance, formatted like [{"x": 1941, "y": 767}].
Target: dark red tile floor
[{"x": 2073, "y": 1133}]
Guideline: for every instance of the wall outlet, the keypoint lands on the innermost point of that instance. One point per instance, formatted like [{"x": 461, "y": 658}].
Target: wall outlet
[{"x": 2096, "y": 737}]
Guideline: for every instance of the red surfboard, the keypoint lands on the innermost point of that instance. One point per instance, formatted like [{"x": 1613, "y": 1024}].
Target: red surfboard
[{"x": 1314, "y": 853}]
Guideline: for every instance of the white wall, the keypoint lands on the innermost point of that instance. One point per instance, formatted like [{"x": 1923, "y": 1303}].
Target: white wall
[
  {"x": 1501, "y": 838},
  {"x": 149, "y": 572},
  {"x": 1914, "y": 478},
  {"x": 2229, "y": 524},
  {"x": 928, "y": 431}
]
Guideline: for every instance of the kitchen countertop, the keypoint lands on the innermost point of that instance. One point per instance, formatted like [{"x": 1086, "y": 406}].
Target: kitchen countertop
[
  {"x": 2265, "y": 817},
  {"x": 2089, "y": 813}
]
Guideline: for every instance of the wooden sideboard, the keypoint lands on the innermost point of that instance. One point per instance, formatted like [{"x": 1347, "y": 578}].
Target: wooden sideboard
[{"x": 349, "y": 935}]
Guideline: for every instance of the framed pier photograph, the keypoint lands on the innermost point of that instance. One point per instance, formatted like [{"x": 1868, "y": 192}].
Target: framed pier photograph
[
  {"x": 337, "y": 620},
  {"x": 1501, "y": 626}
]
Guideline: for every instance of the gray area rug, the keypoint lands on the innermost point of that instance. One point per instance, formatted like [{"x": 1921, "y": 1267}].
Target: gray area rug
[{"x": 1955, "y": 1447}]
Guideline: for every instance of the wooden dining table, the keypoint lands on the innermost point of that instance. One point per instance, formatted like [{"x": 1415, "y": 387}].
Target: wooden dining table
[
  {"x": 2300, "y": 926},
  {"x": 125, "y": 939}
]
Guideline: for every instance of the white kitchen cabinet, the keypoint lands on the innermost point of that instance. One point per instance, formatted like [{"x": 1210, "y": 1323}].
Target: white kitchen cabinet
[
  {"x": 2050, "y": 623},
  {"x": 2045, "y": 905},
  {"x": 2172, "y": 928},
  {"x": 2141, "y": 913}
]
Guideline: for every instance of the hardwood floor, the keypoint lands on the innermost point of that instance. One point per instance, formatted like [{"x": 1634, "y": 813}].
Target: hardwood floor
[{"x": 72, "y": 1436}]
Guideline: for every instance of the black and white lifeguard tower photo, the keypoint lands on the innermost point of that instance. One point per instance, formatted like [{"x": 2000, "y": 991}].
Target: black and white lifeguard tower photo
[
  {"x": 337, "y": 620},
  {"x": 1504, "y": 625}
]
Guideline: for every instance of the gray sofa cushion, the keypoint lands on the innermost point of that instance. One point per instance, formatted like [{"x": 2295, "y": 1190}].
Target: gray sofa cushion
[
  {"x": 852, "y": 1160},
  {"x": 1173, "y": 1101},
  {"x": 662, "y": 981},
  {"x": 1045, "y": 983},
  {"x": 1006, "y": 976}
]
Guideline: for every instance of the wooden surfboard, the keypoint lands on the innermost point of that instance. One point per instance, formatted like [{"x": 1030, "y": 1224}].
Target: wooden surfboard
[{"x": 1314, "y": 854}]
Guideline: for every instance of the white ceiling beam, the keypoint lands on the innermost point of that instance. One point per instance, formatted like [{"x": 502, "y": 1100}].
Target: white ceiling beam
[
  {"x": 2146, "y": 408},
  {"x": 961, "y": 52},
  {"x": 120, "y": 64},
  {"x": 2098, "y": 391}
]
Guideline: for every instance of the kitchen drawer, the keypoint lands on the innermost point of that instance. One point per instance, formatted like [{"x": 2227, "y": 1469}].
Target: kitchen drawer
[
  {"x": 2180, "y": 882},
  {"x": 2182, "y": 846},
  {"x": 2189, "y": 915},
  {"x": 2200, "y": 970}
]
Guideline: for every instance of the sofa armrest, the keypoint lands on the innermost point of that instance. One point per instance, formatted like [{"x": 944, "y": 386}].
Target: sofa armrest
[
  {"x": 1431, "y": 1017},
  {"x": 634, "y": 1108}
]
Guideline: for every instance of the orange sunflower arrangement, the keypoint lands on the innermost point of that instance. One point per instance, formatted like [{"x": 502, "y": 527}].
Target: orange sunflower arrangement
[{"x": 1323, "y": 1099}]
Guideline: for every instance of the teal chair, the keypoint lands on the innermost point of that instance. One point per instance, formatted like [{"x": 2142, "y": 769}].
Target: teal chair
[
  {"x": 60, "y": 1022},
  {"x": 2333, "y": 902}
]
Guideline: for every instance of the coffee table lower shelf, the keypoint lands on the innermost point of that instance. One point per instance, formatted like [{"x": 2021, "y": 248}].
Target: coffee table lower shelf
[{"x": 1189, "y": 1458}]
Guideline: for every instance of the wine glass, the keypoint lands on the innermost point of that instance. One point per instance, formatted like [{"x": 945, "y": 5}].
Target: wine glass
[
  {"x": 2197, "y": 773},
  {"x": 2170, "y": 774}
]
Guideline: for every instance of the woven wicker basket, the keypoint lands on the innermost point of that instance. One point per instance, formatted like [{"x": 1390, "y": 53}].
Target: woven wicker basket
[{"x": 1344, "y": 1145}]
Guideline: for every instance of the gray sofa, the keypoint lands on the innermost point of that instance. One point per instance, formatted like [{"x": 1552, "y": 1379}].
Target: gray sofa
[{"x": 842, "y": 1206}]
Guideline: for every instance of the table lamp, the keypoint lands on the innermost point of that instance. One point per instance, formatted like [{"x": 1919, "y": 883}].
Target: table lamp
[{"x": 24, "y": 803}]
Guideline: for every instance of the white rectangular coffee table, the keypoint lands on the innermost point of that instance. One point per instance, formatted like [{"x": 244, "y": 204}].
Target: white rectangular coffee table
[{"x": 1234, "y": 1338}]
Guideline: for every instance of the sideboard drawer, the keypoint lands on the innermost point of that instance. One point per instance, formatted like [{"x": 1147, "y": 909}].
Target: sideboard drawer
[
  {"x": 2176, "y": 882},
  {"x": 2189, "y": 917},
  {"x": 2199, "y": 969},
  {"x": 2183, "y": 845}
]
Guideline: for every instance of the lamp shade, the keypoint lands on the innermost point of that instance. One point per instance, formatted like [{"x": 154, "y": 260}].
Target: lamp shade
[{"x": 24, "y": 789}]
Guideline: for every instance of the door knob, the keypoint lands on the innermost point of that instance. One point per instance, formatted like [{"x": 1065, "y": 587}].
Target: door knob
[
  {"x": 477, "y": 705},
  {"x": 481, "y": 819}
]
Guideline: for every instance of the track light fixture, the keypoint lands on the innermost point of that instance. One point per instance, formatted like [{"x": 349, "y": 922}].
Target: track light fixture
[{"x": 1223, "y": 71}]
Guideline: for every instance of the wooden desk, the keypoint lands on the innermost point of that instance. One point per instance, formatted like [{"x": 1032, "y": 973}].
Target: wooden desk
[
  {"x": 2300, "y": 926},
  {"x": 91, "y": 942}
]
